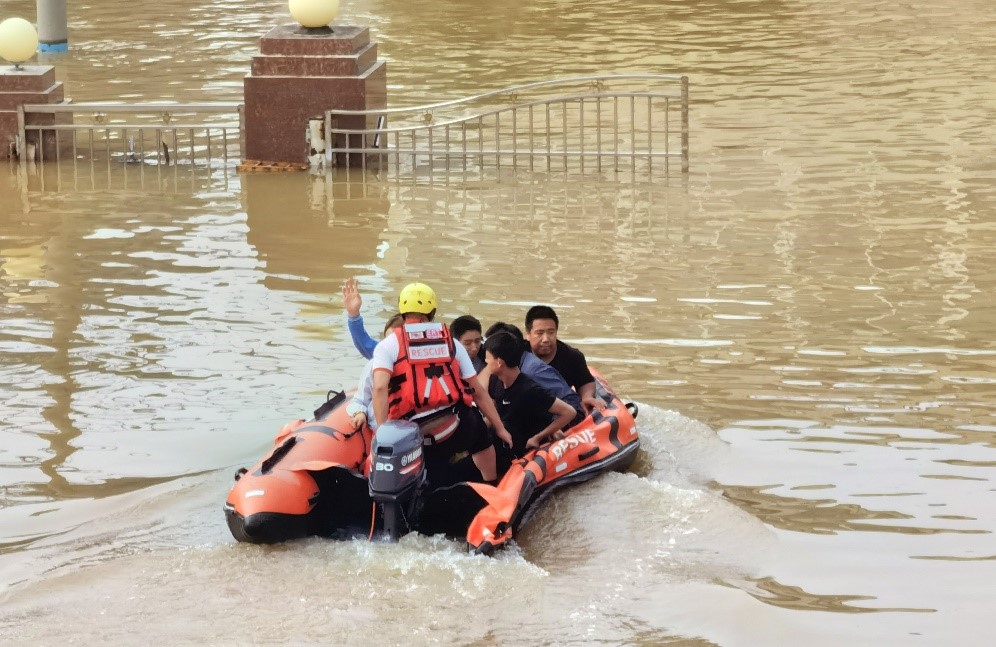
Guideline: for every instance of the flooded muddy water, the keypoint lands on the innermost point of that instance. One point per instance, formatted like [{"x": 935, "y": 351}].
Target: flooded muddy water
[{"x": 805, "y": 320}]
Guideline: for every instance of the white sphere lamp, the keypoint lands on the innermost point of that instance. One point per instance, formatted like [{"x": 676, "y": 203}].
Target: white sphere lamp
[
  {"x": 314, "y": 14},
  {"x": 18, "y": 40}
]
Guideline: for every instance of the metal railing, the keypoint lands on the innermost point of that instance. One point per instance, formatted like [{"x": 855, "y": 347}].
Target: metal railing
[
  {"x": 586, "y": 123},
  {"x": 195, "y": 134}
]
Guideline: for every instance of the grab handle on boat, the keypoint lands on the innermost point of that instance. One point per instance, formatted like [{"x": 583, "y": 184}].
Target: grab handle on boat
[
  {"x": 588, "y": 454},
  {"x": 632, "y": 408},
  {"x": 277, "y": 454},
  {"x": 332, "y": 400}
]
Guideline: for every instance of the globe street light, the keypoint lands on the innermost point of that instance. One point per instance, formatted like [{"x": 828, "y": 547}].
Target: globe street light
[
  {"x": 313, "y": 14},
  {"x": 18, "y": 41}
]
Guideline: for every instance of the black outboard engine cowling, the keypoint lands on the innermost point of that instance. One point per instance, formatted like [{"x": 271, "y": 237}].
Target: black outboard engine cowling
[{"x": 397, "y": 475}]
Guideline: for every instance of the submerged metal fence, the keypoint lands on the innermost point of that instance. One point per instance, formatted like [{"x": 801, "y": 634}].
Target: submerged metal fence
[
  {"x": 595, "y": 122},
  {"x": 160, "y": 134},
  {"x": 631, "y": 122}
]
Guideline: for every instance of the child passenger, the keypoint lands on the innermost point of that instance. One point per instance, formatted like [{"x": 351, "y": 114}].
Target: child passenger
[
  {"x": 466, "y": 329},
  {"x": 531, "y": 413},
  {"x": 360, "y": 408}
]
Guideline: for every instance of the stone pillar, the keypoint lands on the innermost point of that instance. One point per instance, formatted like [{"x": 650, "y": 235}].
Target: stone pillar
[
  {"x": 298, "y": 75},
  {"x": 30, "y": 84}
]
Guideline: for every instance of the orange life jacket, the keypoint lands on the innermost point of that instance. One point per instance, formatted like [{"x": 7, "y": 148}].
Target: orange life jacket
[{"x": 426, "y": 373}]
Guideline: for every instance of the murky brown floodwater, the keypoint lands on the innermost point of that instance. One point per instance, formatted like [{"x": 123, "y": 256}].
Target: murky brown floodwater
[{"x": 807, "y": 322}]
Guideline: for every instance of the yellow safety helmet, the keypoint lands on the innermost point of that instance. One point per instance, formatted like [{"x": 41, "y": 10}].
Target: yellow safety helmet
[{"x": 417, "y": 297}]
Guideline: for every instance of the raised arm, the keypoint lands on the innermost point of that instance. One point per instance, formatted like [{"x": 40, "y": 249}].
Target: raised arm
[{"x": 352, "y": 301}]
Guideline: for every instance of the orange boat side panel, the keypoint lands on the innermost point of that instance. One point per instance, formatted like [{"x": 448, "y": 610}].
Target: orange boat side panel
[
  {"x": 280, "y": 491},
  {"x": 287, "y": 486},
  {"x": 595, "y": 439}
]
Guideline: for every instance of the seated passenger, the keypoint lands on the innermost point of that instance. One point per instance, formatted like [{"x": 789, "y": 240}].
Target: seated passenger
[
  {"x": 541, "y": 332},
  {"x": 466, "y": 329},
  {"x": 360, "y": 407},
  {"x": 531, "y": 414},
  {"x": 540, "y": 372}
]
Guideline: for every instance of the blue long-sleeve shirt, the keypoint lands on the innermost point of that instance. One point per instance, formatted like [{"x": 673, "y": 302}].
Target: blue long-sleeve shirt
[
  {"x": 550, "y": 379},
  {"x": 363, "y": 341}
]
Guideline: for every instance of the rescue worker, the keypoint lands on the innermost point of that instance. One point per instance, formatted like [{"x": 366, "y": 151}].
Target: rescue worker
[{"x": 421, "y": 374}]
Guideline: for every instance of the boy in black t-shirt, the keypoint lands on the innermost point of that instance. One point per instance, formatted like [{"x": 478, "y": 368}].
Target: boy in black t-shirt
[{"x": 531, "y": 414}]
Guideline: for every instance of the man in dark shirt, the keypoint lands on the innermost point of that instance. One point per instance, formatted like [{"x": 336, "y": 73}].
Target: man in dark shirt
[
  {"x": 541, "y": 332},
  {"x": 540, "y": 372},
  {"x": 531, "y": 414}
]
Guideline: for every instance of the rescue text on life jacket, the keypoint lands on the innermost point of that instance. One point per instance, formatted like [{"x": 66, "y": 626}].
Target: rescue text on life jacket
[{"x": 426, "y": 373}]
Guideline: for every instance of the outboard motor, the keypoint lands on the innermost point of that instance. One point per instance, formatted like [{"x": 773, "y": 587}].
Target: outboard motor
[{"x": 397, "y": 475}]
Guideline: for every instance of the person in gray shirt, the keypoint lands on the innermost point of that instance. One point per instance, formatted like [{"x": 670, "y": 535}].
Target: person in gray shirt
[{"x": 542, "y": 373}]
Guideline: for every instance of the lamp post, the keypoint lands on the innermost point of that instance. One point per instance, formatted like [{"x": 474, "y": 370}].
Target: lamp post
[
  {"x": 18, "y": 41},
  {"x": 313, "y": 14},
  {"x": 20, "y": 85},
  {"x": 53, "y": 27}
]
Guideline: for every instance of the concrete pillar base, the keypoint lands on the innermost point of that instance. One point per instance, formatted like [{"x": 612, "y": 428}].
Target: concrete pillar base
[
  {"x": 298, "y": 75},
  {"x": 28, "y": 85}
]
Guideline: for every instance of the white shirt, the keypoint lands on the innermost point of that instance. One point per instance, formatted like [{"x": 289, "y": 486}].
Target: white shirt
[{"x": 362, "y": 401}]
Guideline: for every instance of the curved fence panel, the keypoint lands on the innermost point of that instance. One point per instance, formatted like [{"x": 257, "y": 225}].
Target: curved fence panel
[{"x": 593, "y": 123}]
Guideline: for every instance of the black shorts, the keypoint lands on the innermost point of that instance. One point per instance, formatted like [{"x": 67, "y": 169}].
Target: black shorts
[{"x": 471, "y": 434}]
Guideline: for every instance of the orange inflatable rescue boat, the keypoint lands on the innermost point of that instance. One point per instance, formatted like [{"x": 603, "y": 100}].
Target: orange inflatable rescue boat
[{"x": 323, "y": 478}]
